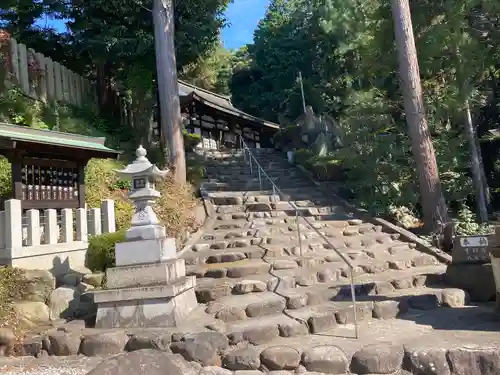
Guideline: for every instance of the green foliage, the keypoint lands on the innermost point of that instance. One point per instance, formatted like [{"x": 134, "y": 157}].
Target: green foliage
[
  {"x": 191, "y": 140},
  {"x": 213, "y": 71},
  {"x": 323, "y": 168},
  {"x": 17, "y": 109},
  {"x": 346, "y": 53},
  {"x": 101, "y": 250},
  {"x": 466, "y": 223},
  {"x": 5, "y": 178},
  {"x": 196, "y": 172}
]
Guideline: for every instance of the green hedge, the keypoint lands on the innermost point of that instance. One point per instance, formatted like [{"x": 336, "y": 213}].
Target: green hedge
[{"x": 101, "y": 250}]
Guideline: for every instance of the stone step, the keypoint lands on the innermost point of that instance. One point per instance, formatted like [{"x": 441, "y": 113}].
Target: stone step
[
  {"x": 254, "y": 178},
  {"x": 264, "y": 329},
  {"x": 248, "y": 186},
  {"x": 248, "y": 229},
  {"x": 323, "y": 318},
  {"x": 324, "y": 279},
  {"x": 240, "y": 224},
  {"x": 245, "y": 169},
  {"x": 306, "y": 209},
  {"x": 241, "y": 307},
  {"x": 311, "y": 238},
  {"x": 366, "y": 285},
  {"x": 236, "y": 269},
  {"x": 327, "y": 315},
  {"x": 379, "y": 246}
]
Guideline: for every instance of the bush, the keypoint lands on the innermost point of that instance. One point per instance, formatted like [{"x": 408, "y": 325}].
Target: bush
[
  {"x": 196, "y": 172},
  {"x": 323, "y": 168},
  {"x": 191, "y": 141},
  {"x": 102, "y": 182},
  {"x": 101, "y": 250}
]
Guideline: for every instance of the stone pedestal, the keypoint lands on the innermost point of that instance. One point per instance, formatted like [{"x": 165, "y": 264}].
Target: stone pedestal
[{"x": 146, "y": 295}]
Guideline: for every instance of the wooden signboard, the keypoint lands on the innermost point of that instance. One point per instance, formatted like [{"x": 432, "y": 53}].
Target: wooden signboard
[{"x": 473, "y": 249}]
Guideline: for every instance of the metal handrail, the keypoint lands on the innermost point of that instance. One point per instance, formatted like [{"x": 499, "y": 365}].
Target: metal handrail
[{"x": 298, "y": 215}]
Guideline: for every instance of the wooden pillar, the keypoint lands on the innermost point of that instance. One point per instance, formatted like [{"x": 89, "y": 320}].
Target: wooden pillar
[
  {"x": 17, "y": 184},
  {"x": 81, "y": 185}
]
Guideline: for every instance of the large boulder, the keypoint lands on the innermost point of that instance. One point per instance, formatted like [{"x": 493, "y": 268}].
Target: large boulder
[
  {"x": 242, "y": 359},
  {"x": 40, "y": 284},
  {"x": 479, "y": 283},
  {"x": 328, "y": 359},
  {"x": 146, "y": 362},
  {"x": 380, "y": 358},
  {"x": 216, "y": 341},
  {"x": 7, "y": 340},
  {"x": 196, "y": 352},
  {"x": 149, "y": 340},
  {"x": 426, "y": 361},
  {"x": 280, "y": 358},
  {"x": 102, "y": 344},
  {"x": 64, "y": 343},
  {"x": 63, "y": 302},
  {"x": 474, "y": 361},
  {"x": 31, "y": 314}
]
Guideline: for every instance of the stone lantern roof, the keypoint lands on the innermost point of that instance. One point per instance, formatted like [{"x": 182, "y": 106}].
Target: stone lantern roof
[{"x": 142, "y": 167}]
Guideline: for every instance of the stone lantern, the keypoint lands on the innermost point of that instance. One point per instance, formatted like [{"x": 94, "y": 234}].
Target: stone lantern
[
  {"x": 143, "y": 174},
  {"x": 148, "y": 287}
]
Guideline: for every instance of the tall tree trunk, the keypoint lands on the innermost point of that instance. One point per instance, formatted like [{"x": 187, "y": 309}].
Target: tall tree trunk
[
  {"x": 477, "y": 179},
  {"x": 483, "y": 173},
  {"x": 170, "y": 110},
  {"x": 433, "y": 204}
]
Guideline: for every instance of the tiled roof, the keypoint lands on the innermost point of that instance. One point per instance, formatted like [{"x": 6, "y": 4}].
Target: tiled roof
[
  {"x": 219, "y": 102},
  {"x": 49, "y": 137}
]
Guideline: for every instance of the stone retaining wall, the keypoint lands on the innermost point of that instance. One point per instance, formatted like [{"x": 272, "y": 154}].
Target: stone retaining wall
[{"x": 212, "y": 351}]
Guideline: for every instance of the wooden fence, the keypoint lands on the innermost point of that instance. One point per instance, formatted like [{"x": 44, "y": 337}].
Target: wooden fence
[{"x": 39, "y": 77}]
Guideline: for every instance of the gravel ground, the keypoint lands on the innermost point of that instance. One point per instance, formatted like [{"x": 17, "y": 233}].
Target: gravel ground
[{"x": 75, "y": 365}]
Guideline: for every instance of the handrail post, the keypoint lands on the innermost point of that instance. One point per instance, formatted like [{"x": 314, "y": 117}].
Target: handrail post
[
  {"x": 354, "y": 312},
  {"x": 250, "y": 157},
  {"x": 298, "y": 230},
  {"x": 260, "y": 180}
]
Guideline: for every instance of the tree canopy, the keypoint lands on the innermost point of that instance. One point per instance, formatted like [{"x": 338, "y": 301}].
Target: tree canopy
[{"x": 346, "y": 54}]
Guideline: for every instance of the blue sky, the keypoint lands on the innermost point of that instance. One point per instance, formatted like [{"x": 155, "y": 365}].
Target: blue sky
[{"x": 243, "y": 17}]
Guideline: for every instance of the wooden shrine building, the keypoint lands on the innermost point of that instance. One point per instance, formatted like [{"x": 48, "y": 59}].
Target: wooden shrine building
[
  {"x": 219, "y": 123},
  {"x": 48, "y": 166}
]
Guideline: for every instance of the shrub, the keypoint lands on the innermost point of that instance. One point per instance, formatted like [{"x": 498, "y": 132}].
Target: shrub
[
  {"x": 196, "y": 172},
  {"x": 323, "y": 168},
  {"x": 191, "y": 140},
  {"x": 101, "y": 250},
  {"x": 175, "y": 208},
  {"x": 5, "y": 178},
  {"x": 102, "y": 182}
]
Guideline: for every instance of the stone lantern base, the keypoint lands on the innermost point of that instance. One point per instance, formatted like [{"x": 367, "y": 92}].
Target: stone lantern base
[{"x": 151, "y": 293}]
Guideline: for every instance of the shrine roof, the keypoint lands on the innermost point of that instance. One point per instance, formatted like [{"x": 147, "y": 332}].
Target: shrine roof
[
  {"x": 55, "y": 138},
  {"x": 219, "y": 102}
]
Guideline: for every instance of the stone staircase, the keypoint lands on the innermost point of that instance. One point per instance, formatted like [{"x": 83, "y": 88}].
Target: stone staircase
[{"x": 257, "y": 280}]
